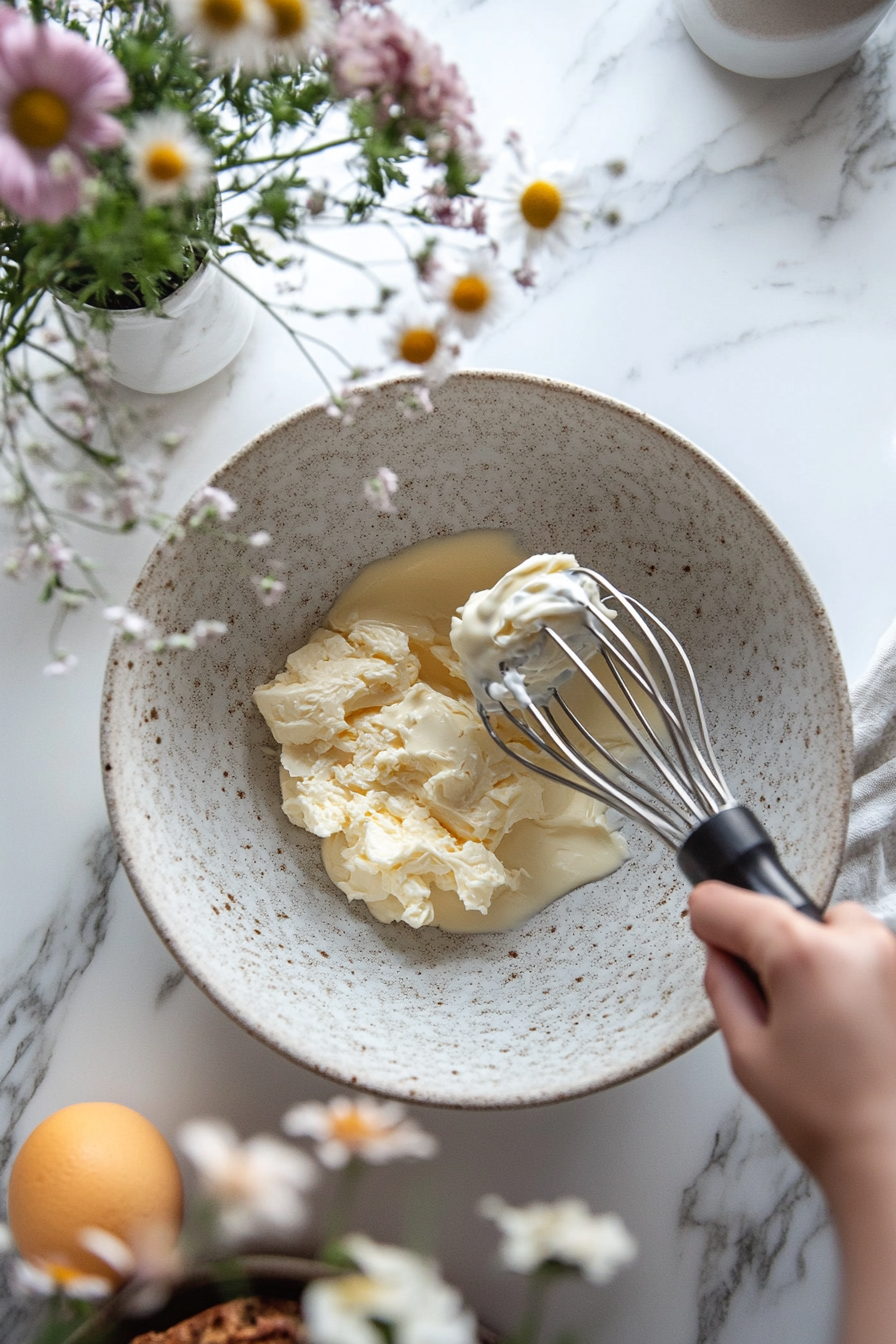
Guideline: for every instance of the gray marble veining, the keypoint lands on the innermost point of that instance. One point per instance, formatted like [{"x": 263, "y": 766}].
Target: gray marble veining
[
  {"x": 756, "y": 1211},
  {"x": 37, "y": 981},
  {"x": 846, "y": 120}
]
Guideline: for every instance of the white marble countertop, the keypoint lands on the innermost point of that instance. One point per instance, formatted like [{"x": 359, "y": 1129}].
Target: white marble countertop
[{"x": 746, "y": 297}]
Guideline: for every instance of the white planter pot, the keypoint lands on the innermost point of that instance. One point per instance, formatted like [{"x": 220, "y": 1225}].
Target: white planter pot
[
  {"x": 205, "y": 325},
  {"x": 778, "y": 39}
]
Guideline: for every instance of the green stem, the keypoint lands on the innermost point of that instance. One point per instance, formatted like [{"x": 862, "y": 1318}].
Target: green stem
[
  {"x": 290, "y": 154},
  {"x": 105, "y": 460},
  {"x": 279, "y": 320},
  {"x": 18, "y": 331},
  {"x": 342, "y": 1209},
  {"x": 529, "y": 1328}
]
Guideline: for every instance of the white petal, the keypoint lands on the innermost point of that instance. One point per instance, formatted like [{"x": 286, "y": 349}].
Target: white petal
[
  {"x": 310, "y": 1120},
  {"x": 209, "y": 1144},
  {"x": 29, "y": 1279},
  {"x": 112, "y": 1249},
  {"x": 333, "y": 1154},
  {"x": 277, "y": 1161},
  {"x": 87, "y": 1288}
]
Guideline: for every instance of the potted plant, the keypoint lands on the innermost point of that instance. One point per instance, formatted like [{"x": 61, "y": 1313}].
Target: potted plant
[{"x": 167, "y": 168}]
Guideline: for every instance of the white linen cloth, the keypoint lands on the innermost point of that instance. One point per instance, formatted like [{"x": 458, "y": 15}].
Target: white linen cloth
[{"x": 868, "y": 874}]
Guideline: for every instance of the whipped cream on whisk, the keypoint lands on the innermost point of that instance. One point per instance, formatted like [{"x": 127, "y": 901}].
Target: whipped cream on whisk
[{"x": 499, "y": 634}]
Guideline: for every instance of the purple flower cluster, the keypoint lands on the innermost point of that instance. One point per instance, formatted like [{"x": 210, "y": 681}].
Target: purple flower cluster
[
  {"x": 378, "y": 57},
  {"x": 456, "y": 212}
]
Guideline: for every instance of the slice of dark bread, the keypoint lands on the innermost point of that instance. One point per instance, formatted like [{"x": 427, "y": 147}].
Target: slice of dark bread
[{"x": 246, "y": 1320}]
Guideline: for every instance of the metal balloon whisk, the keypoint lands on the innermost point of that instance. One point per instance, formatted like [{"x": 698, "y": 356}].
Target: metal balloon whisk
[{"x": 641, "y": 673}]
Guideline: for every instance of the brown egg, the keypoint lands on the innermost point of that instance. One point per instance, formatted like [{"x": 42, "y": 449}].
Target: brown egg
[{"x": 96, "y": 1164}]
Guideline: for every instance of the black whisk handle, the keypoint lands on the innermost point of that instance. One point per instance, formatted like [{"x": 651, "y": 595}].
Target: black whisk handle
[{"x": 733, "y": 846}]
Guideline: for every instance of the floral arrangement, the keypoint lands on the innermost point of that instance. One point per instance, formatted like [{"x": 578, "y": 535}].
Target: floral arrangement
[
  {"x": 259, "y": 1188},
  {"x": 143, "y": 141}
]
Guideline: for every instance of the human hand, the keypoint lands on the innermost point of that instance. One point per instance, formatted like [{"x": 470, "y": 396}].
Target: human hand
[{"x": 820, "y": 1055}]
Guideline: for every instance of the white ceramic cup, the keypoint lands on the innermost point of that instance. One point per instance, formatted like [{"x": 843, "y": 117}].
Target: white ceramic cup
[
  {"x": 205, "y": 325},
  {"x": 779, "y": 39}
]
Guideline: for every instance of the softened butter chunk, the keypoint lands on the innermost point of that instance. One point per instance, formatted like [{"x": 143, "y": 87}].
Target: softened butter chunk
[
  {"x": 334, "y": 676},
  {"x": 402, "y": 777}
]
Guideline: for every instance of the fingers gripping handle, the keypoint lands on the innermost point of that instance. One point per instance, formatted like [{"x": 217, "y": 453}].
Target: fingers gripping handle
[{"x": 734, "y": 847}]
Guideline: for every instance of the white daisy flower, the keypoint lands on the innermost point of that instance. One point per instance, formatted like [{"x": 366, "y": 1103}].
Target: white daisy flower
[
  {"x": 545, "y": 207},
  {"x": 377, "y": 1131},
  {"x": 257, "y": 1185},
  {"x": 50, "y": 1278},
  {"x": 167, "y": 159},
  {"x": 229, "y": 32},
  {"x": 395, "y": 1289},
  {"x": 475, "y": 295},
  {"x": 422, "y": 341},
  {"x": 597, "y": 1244},
  {"x": 297, "y": 28}
]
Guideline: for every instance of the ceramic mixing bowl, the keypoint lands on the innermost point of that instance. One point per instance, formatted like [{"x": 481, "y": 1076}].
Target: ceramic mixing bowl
[{"x": 606, "y": 982}]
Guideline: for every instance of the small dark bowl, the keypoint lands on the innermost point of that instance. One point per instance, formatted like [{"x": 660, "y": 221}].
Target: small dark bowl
[
  {"x": 282, "y": 1277},
  {"x": 271, "y": 1276}
]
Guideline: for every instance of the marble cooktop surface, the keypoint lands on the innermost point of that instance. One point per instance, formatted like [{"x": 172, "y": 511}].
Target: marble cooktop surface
[{"x": 741, "y": 286}]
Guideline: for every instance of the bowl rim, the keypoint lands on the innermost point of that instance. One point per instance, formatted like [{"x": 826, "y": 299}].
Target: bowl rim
[{"x": 705, "y": 460}]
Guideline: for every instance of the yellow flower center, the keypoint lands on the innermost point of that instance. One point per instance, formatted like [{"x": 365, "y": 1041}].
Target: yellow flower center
[
  {"x": 165, "y": 162},
  {"x": 39, "y": 118},
  {"x": 540, "y": 204},
  {"x": 289, "y": 17},
  {"x": 358, "y": 1292},
  {"x": 351, "y": 1128},
  {"x": 470, "y": 294},
  {"x": 225, "y": 15},
  {"x": 418, "y": 345},
  {"x": 59, "y": 1273}
]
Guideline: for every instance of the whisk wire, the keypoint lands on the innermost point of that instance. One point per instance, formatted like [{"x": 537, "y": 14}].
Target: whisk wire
[
  {"x": 605, "y": 631},
  {"x": 643, "y": 618},
  {"x": 682, "y": 767},
  {"x": 715, "y": 773},
  {"x": 615, "y": 763},
  {"x": 659, "y": 758},
  {"x": 596, "y": 786},
  {"x": 676, "y": 723}
]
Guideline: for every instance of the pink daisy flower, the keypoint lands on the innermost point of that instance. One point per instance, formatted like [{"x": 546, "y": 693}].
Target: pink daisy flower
[{"x": 55, "y": 91}]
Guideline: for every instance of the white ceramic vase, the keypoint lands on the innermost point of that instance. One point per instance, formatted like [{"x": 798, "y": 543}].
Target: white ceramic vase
[
  {"x": 779, "y": 39},
  {"x": 204, "y": 327}
]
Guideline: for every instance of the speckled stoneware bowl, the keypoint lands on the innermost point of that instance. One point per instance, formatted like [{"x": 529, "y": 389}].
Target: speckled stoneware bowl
[{"x": 605, "y": 983}]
